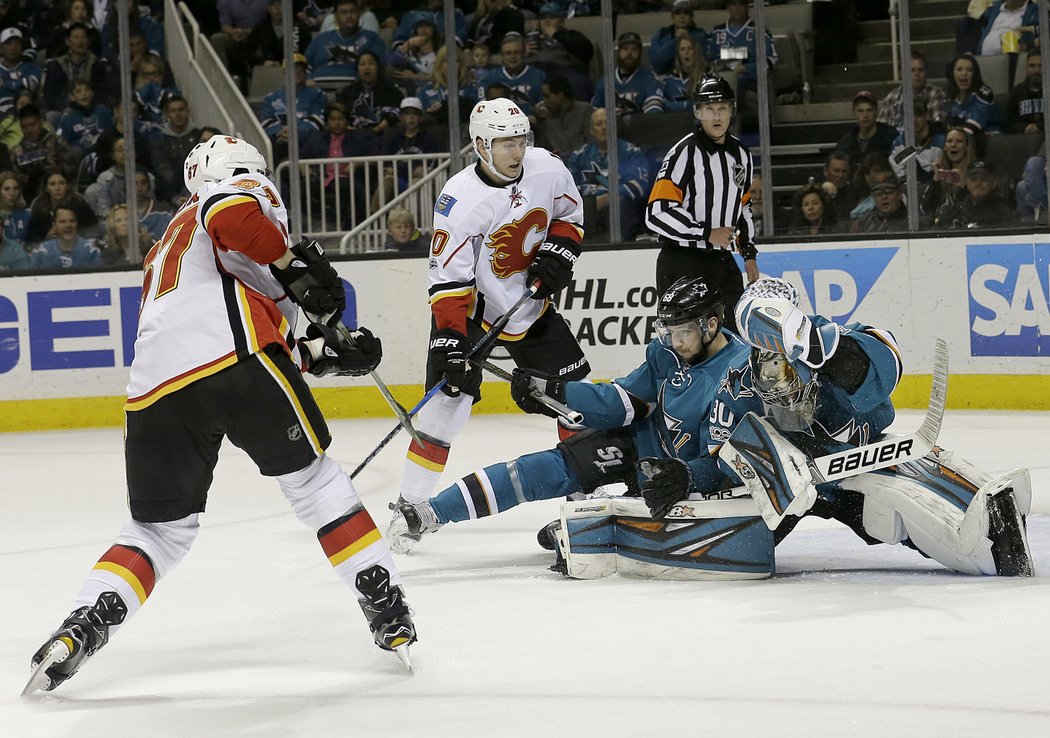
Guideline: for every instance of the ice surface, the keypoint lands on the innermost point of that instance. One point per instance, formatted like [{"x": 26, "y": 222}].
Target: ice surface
[{"x": 254, "y": 635}]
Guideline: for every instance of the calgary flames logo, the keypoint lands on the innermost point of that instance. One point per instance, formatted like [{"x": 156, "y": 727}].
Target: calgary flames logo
[{"x": 510, "y": 252}]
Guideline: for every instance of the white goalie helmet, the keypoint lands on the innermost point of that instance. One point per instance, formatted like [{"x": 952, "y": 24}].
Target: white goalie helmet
[
  {"x": 499, "y": 118},
  {"x": 220, "y": 157}
]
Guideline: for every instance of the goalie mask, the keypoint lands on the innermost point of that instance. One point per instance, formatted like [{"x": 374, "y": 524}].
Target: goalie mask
[
  {"x": 683, "y": 313},
  {"x": 221, "y": 157},
  {"x": 789, "y": 397},
  {"x": 494, "y": 119}
]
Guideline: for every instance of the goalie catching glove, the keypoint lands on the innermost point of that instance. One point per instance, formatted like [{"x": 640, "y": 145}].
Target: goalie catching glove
[
  {"x": 552, "y": 266},
  {"x": 524, "y": 382},
  {"x": 312, "y": 283},
  {"x": 670, "y": 481},
  {"x": 327, "y": 351}
]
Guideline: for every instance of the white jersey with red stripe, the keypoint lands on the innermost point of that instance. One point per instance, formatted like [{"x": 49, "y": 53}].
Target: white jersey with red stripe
[
  {"x": 208, "y": 296},
  {"x": 485, "y": 237}
]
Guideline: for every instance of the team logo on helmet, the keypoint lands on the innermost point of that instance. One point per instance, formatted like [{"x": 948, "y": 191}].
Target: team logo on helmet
[{"x": 510, "y": 252}]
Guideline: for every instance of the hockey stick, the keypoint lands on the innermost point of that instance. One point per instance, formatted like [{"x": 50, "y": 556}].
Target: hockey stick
[
  {"x": 484, "y": 342},
  {"x": 535, "y": 393},
  {"x": 895, "y": 449}
]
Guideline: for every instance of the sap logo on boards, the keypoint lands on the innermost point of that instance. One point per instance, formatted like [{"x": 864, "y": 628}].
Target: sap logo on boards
[
  {"x": 1009, "y": 296},
  {"x": 831, "y": 282}
]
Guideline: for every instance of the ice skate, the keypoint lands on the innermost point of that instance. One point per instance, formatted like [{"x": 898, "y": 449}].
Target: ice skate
[
  {"x": 84, "y": 632},
  {"x": 546, "y": 535},
  {"x": 409, "y": 523},
  {"x": 1007, "y": 532},
  {"x": 387, "y": 612}
]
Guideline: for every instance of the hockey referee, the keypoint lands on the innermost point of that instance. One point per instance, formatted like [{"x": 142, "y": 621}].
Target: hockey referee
[{"x": 700, "y": 206}]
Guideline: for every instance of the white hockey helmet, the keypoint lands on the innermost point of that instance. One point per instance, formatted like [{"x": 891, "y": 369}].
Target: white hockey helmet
[
  {"x": 220, "y": 157},
  {"x": 499, "y": 118}
]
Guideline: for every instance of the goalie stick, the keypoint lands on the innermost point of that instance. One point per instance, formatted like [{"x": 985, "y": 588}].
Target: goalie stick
[
  {"x": 562, "y": 409},
  {"x": 895, "y": 449},
  {"x": 483, "y": 343}
]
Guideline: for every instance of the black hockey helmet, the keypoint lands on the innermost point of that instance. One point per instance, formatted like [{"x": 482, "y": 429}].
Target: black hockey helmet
[
  {"x": 690, "y": 298},
  {"x": 713, "y": 88}
]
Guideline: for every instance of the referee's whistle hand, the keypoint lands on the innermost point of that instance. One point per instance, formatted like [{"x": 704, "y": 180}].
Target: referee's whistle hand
[{"x": 722, "y": 237}]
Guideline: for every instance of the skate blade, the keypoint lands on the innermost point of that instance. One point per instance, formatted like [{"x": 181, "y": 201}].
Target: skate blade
[
  {"x": 39, "y": 680},
  {"x": 403, "y": 656}
]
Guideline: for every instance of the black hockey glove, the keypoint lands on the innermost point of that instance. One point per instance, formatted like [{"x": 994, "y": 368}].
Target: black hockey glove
[
  {"x": 448, "y": 355},
  {"x": 669, "y": 482},
  {"x": 312, "y": 283},
  {"x": 553, "y": 265},
  {"x": 524, "y": 381},
  {"x": 327, "y": 351}
]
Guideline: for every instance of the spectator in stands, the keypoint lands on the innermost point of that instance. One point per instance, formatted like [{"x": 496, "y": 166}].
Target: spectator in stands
[
  {"x": 237, "y": 19},
  {"x": 867, "y": 136},
  {"x": 889, "y": 214},
  {"x": 66, "y": 248},
  {"x": 372, "y": 99},
  {"x": 812, "y": 212},
  {"x": 434, "y": 93},
  {"x": 493, "y": 20},
  {"x": 1024, "y": 112},
  {"x": 1020, "y": 17},
  {"x": 756, "y": 194},
  {"x": 84, "y": 120},
  {"x": 891, "y": 109},
  {"x": 929, "y": 141},
  {"x": 77, "y": 63},
  {"x": 959, "y": 152},
  {"x": 266, "y": 41},
  {"x": 78, "y": 12},
  {"x": 971, "y": 102},
  {"x": 1031, "y": 190},
  {"x": 479, "y": 64},
  {"x": 412, "y": 60},
  {"x": 151, "y": 93},
  {"x": 981, "y": 207},
  {"x": 873, "y": 168},
  {"x": 524, "y": 81},
  {"x": 151, "y": 30},
  {"x": 405, "y": 140},
  {"x": 339, "y": 141},
  {"x": 664, "y": 46},
  {"x": 731, "y": 47},
  {"x": 637, "y": 90},
  {"x": 434, "y": 12},
  {"x": 13, "y": 258},
  {"x": 153, "y": 215},
  {"x": 167, "y": 152},
  {"x": 16, "y": 74},
  {"x": 115, "y": 245},
  {"x": 689, "y": 66},
  {"x": 207, "y": 132},
  {"x": 404, "y": 236},
  {"x": 562, "y": 122},
  {"x": 838, "y": 182},
  {"x": 38, "y": 149},
  {"x": 555, "y": 49},
  {"x": 309, "y": 111},
  {"x": 13, "y": 209},
  {"x": 590, "y": 168},
  {"x": 333, "y": 55},
  {"x": 109, "y": 189}
]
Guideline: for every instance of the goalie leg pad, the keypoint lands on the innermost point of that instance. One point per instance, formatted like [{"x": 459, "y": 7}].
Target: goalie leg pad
[
  {"x": 775, "y": 472},
  {"x": 600, "y": 457},
  {"x": 720, "y": 539}
]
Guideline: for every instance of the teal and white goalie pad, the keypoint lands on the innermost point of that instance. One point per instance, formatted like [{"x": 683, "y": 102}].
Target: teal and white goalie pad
[{"x": 699, "y": 539}]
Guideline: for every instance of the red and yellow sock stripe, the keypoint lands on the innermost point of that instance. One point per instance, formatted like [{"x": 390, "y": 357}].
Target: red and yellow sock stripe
[
  {"x": 133, "y": 566},
  {"x": 428, "y": 455},
  {"x": 348, "y": 535}
]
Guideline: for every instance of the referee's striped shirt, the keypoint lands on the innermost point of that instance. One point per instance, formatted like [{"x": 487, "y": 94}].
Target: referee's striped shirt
[{"x": 701, "y": 186}]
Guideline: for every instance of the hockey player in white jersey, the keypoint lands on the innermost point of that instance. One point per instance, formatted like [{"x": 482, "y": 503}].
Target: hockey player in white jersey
[
  {"x": 512, "y": 220},
  {"x": 215, "y": 356}
]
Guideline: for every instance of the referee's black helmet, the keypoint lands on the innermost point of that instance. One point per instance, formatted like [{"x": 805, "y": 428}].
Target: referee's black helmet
[{"x": 713, "y": 88}]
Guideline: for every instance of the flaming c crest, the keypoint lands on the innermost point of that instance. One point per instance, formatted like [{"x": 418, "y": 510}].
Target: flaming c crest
[{"x": 510, "y": 253}]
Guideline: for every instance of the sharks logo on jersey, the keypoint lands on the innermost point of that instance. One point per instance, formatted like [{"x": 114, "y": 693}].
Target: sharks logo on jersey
[
  {"x": 733, "y": 384},
  {"x": 679, "y": 437},
  {"x": 510, "y": 251}
]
